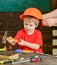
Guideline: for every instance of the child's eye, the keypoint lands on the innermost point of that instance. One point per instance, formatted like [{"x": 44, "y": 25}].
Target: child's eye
[
  {"x": 31, "y": 25},
  {"x": 26, "y": 24}
]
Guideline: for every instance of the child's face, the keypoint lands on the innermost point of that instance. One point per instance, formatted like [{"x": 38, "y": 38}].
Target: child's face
[{"x": 29, "y": 26}]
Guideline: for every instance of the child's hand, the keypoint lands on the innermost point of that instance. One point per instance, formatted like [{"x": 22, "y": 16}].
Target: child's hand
[
  {"x": 11, "y": 40},
  {"x": 28, "y": 44},
  {"x": 22, "y": 42}
]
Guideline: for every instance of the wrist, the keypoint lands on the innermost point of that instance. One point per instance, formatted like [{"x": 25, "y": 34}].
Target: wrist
[
  {"x": 55, "y": 20},
  {"x": 12, "y": 42},
  {"x": 46, "y": 16},
  {"x": 25, "y": 43}
]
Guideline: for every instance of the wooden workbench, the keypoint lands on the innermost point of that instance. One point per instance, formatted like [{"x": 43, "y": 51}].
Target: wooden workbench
[{"x": 46, "y": 60}]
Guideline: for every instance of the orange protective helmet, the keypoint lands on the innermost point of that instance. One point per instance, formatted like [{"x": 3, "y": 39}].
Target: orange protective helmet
[{"x": 34, "y": 12}]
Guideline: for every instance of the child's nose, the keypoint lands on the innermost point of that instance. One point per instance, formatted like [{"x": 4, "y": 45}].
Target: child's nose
[{"x": 28, "y": 26}]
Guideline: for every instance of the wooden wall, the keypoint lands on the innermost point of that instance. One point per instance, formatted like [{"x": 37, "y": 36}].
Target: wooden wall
[
  {"x": 53, "y": 4},
  {"x": 9, "y": 21}
]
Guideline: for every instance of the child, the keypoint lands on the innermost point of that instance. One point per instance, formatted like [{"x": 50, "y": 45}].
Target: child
[{"x": 29, "y": 38}]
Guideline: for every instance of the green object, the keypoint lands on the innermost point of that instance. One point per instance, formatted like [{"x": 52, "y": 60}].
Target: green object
[
  {"x": 3, "y": 49},
  {"x": 6, "y": 61},
  {"x": 21, "y": 5},
  {"x": 36, "y": 56}
]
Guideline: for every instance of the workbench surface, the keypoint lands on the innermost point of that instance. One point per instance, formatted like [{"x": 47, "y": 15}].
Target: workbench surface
[{"x": 46, "y": 59}]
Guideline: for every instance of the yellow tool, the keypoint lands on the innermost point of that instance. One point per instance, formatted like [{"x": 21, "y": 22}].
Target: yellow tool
[
  {"x": 3, "y": 49},
  {"x": 4, "y": 41},
  {"x": 27, "y": 51},
  {"x": 6, "y": 61}
]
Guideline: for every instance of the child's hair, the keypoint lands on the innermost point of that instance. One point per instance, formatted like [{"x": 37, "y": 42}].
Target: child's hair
[{"x": 32, "y": 19}]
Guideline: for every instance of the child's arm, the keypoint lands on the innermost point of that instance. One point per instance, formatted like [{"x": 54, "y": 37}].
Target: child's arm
[
  {"x": 30, "y": 45},
  {"x": 11, "y": 40}
]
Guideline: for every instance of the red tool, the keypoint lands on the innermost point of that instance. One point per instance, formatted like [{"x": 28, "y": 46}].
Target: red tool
[{"x": 36, "y": 58}]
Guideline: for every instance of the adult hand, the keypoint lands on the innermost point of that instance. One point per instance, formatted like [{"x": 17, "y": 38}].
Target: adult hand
[{"x": 49, "y": 22}]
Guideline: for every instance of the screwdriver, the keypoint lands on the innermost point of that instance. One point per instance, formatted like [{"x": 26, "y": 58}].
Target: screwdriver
[
  {"x": 28, "y": 60},
  {"x": 6, "y": 61}
]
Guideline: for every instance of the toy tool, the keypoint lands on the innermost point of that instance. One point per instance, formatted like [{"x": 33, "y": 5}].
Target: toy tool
[
  {"x": 6, "y": 61},
  {"x": 21, "y": 61},
  {"x": 3, "y": 49},
  {"x": 4, "y": 41},
  {"x": 22, "y": 51},
  {"x": 33, "y": 59}
]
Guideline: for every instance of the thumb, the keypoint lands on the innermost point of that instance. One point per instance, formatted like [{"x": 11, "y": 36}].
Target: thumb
[{"x": 21, "y": 40}]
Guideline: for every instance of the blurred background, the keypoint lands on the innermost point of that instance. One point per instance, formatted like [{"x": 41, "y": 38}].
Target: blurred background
[{"x": 10, "y": 22}]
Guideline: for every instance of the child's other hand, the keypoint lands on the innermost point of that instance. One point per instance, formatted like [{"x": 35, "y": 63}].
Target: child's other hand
[{"x": 22, "y": 42}]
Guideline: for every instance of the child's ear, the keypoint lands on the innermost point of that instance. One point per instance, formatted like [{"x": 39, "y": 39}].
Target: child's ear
[{"x": 36, "y": 25}]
